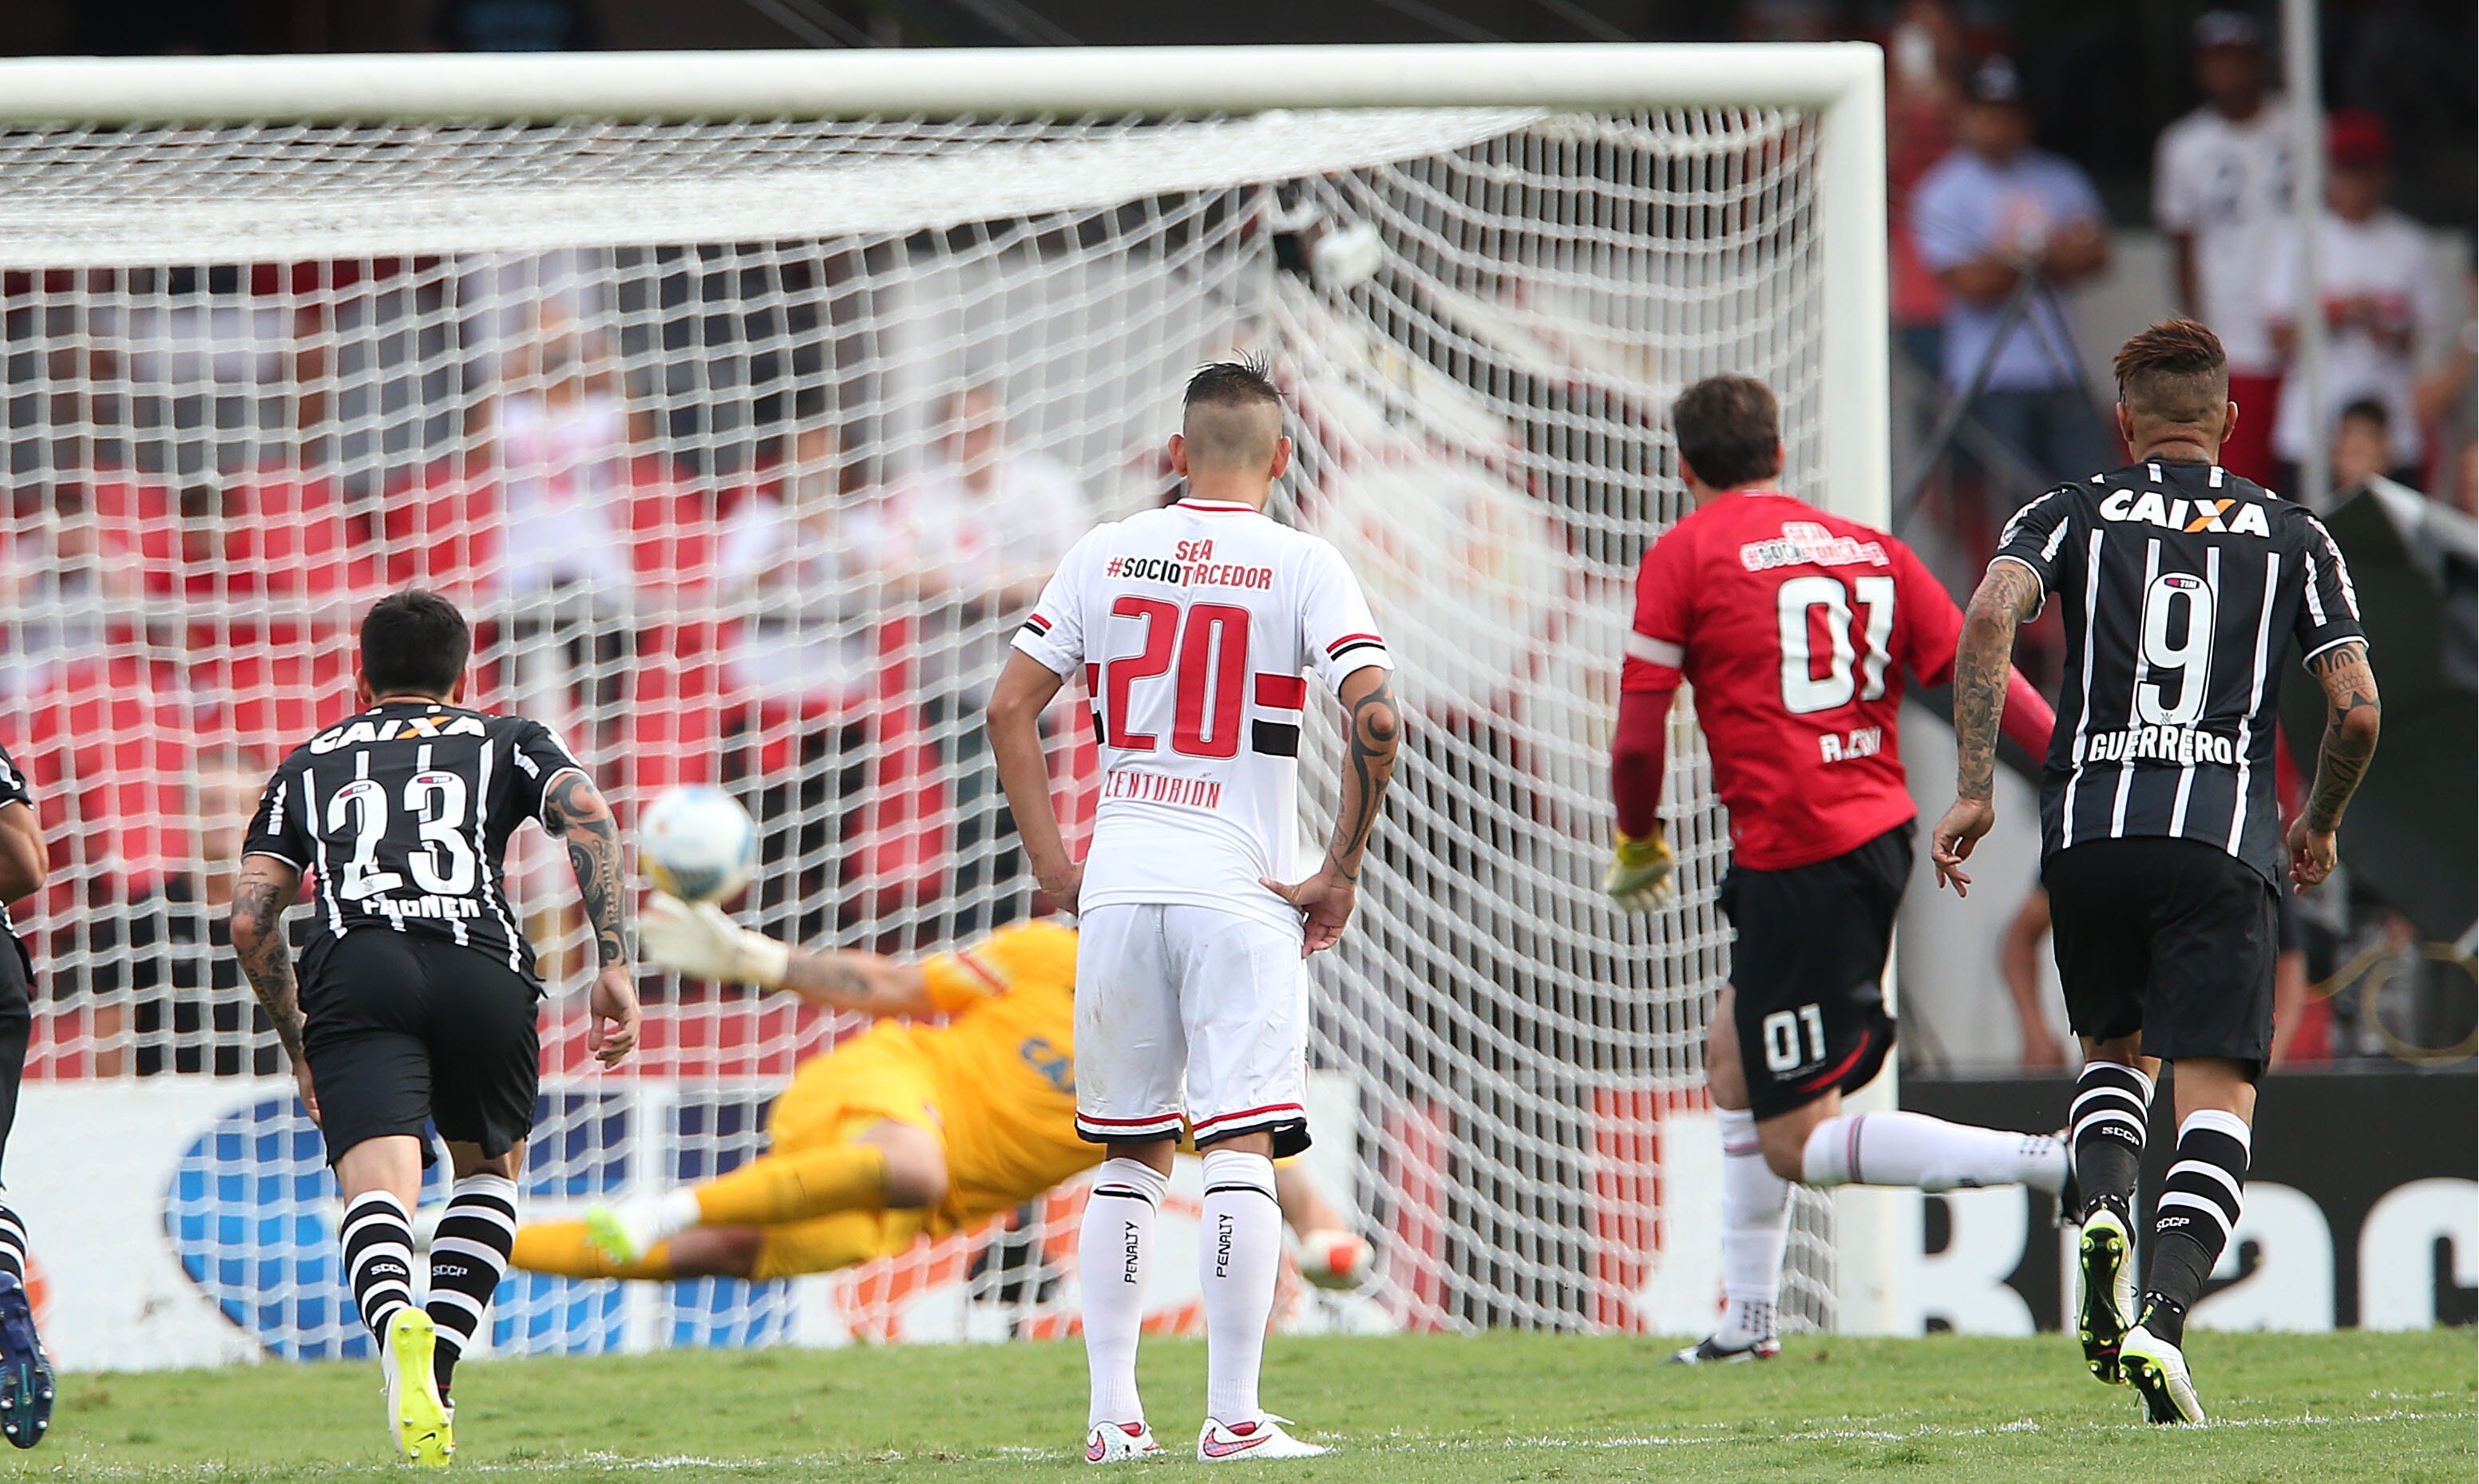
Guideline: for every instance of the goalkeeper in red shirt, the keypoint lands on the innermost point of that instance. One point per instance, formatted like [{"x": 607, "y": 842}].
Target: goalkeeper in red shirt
[{"x": 1796, "y": 628}]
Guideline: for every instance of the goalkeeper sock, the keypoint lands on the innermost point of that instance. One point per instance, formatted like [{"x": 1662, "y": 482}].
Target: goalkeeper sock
[
  {"x": 1111, "y": 1254},
  {"x": 775, "y": 1189},
  {"x": 560, "y": 1248},
  {"x": 378, "y": 1257},
  {"x": 1914, "y": 1149},
  {"x": 2111, "y": 1111},
  {"x": 1756, "y": 1223},
  {"x": 468, "y": 1255},
  {"x": 1239, "y": 1251}
]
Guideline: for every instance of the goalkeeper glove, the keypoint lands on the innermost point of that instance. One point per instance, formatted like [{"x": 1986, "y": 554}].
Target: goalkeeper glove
[
  {"x": 1639, "y": 878},
  {"x": 701, "y": 942}
]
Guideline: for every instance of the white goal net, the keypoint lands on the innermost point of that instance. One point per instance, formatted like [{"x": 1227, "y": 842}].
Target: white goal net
[{"x": 745, "y": 441}]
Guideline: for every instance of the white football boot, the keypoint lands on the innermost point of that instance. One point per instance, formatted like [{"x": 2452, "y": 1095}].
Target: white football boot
[
  {"x": 1120, "y": 1443},
  {"x": 1262, "y": 1438}
]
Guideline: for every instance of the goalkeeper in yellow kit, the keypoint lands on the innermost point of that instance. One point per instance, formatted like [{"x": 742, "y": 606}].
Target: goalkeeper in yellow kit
[{"x": 901, "y": 1132}]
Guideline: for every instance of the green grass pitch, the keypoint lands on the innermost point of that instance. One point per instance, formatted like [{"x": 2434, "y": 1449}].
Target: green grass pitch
[{"x": 1506, "y": 1406}]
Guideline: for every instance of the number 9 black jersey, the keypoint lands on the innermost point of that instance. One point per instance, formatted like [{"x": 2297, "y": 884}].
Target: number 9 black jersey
[
  {"x": 2182, "y": 584},
  {"x": 404, "y": 815}
]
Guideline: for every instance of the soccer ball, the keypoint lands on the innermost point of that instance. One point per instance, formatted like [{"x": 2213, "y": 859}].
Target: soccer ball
[{"x": 697, "y": 843}]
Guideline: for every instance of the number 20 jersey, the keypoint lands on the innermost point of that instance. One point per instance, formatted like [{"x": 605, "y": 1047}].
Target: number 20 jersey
[
  {"x": 403, "y": 814},
  {"x": 1795, "y": 627},
  {"x": 2181, "y": 586},
  {"x": 1192, "y": 625}
]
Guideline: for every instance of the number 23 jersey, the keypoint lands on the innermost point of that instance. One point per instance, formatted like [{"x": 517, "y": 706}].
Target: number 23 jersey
[
  {"x": 1795, "y": 627},
  {"x": 403, "y": 814},
  {"x": 1192, "y": 625}
]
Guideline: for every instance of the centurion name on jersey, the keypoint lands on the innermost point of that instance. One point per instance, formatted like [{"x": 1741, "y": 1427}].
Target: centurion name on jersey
[
  {"x": 404, "y": 812},
  {"x": 2181, "y": 586},
  {"x": 1192, "y": 625}
]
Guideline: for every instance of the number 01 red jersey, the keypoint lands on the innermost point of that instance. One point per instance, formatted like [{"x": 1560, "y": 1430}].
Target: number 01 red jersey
[{"x": 1795, "y": 627}]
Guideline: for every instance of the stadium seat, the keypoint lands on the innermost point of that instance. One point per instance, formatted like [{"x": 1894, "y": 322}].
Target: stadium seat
[
  {"x": 108, "y": 746},
  {"x": 679, "y": 704},
  {"x": 442, "y": 531},
  {"x": 274, "y": 696},
  {"x": 674, "y": 535}
]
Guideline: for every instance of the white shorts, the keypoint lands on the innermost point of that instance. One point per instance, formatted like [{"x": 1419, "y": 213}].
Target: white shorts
[{"x": 1189, "y": 1014}]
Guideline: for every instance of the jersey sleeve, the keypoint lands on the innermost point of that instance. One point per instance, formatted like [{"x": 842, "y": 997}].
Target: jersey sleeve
[
  {"x": 2041, "y": 536},
  {"x": 965, "y": 976},
  {"x": 281, "y": 826},
  {"x": 540, "y": 757},
  {"x": 1656, "y": 645},
  {"x": 1054, "y": 631},
  {"x": 2327, "y": 613},
  {"x": 1340, "y": 632},
  {"x": 1927, "y": 626},
  {"x": 13, "y": 787}
]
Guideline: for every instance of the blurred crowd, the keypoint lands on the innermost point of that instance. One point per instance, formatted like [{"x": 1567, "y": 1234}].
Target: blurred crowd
[
  {"x": 1994, "y": 236},
  {"x": 815, "y": 628}
]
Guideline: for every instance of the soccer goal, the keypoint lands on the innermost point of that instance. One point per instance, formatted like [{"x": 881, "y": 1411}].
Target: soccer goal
[{"x": 741, "y": 397}]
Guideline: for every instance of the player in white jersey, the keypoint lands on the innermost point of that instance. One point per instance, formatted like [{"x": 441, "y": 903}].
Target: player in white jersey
[{"x": 1192, "y": 625}]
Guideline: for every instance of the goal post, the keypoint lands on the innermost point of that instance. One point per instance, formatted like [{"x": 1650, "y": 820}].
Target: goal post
[{"x": 735, "y": 396}]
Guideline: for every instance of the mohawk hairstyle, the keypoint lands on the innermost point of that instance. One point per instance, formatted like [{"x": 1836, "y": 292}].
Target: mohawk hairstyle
[
  {"x": 1248, "y": 379},
  {"x": 1222, "y": 414},
  {"x": 2175, "y": 372}
]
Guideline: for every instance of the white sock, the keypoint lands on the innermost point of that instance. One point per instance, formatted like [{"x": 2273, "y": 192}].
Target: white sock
[
  {"x": 1113, "y": 1250},
  {"x": 1240, "y": 1250},
  {"x": 1755, "y": 1223},
  {"x": 1914, "y": 1149}
]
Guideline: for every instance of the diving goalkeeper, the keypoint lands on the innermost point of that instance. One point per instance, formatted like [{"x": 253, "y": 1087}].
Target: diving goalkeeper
[{"x": 907, "y": 1130}]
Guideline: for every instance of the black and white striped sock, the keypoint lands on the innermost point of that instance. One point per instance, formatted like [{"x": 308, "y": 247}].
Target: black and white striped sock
[
  {"x": 2197, "y": 1209},
  {"x": 2112, "y": 1109},
  {"x": 12, "y": 1240},
  {"x": 378, "y": 1257},
  {"x": 469, "y": 1256}
]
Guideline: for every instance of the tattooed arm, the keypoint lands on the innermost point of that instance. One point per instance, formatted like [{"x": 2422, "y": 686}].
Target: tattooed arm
[
  {"x": 575, "y": 810},
  {"x": 265, "y": 889},
  {"x": 1983, "y": 663},
  {"x": 2352, "y": 719},
  {"x": 1374, "y": 729},
  {"x": 864, "y": 984}
]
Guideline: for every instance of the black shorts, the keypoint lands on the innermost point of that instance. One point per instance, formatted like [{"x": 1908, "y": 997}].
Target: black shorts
[
  {"x": 403, "y": 1031},
  {"x": 2171, "y": 938},
  {"x": 1808, "y": 971},
  {"x": 17, "y": 1027}
]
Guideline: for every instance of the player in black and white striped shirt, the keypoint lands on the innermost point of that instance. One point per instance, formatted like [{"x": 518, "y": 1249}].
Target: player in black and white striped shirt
[
  {"x": 2182, "y": 585},
  {"x": 418, "y": 998},
  {"x": 25, "y": 1369}
]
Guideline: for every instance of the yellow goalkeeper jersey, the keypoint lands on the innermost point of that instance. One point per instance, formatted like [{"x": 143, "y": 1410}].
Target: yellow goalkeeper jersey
[{"x": 1003, "y": 1066}]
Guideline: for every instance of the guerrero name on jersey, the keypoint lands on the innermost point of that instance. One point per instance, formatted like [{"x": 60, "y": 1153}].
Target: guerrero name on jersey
[
  {"x": 1192, "y": 625},
  {"x": 2182, "y": 584},
  {"x": 403, "y": 814}
]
